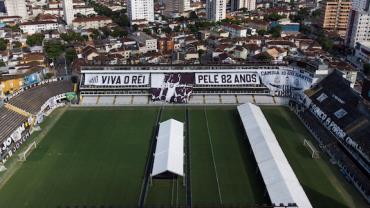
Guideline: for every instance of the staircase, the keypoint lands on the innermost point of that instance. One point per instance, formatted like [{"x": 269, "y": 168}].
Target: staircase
[{"x": 17, "y": 110}]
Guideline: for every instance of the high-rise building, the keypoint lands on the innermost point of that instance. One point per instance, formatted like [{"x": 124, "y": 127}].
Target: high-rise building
[
  {"x": 16, "y": 8},
  {"x": 175, "y": 6},
  {"x": 140, "y": 10},
  {"x": 68, "y": 11},
  {"x": 335, "y": 15},
  {"x": 216, "y": 9},
  {"x": 239, "y": 4},
  {"x": 359, "y": 23}
]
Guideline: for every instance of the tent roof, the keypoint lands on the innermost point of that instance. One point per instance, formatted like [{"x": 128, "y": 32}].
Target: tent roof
[
  {"x": 169, "y": 152},
  {"x": 279, "y": 178}
]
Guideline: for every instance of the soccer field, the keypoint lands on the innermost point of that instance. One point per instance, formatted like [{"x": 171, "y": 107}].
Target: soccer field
[{"x": 97, "y": 157}]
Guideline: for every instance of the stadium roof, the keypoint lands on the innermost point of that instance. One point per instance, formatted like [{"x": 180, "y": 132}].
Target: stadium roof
[
  {"x": 169, "y": 152},
  {"x": 279, "y": 178}
]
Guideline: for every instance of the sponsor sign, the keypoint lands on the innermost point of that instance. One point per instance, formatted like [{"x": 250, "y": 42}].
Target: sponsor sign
[
  {"x": 117, "y": 79},
  {"x": 245, "y": 78},
  {"x": 172, "y": 87}
]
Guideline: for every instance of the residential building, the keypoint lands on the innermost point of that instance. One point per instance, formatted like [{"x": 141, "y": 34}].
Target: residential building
[
  {"x": 38, "y": 26},
  {"x": 139, "y": 10},
  {"x": 83, "y": 10},
  {"x": 216, "y": 9},
  {"x": 68, "y": 11},
  {"x": 362, "y": 52},
  {"x": 175, "y": 6},
  {"x": 91, "y": 22},
  {"x": 16, "y": 8},
  {"x": 359, "y": 23},
  {"x": 235, "y": 31},
  {"x": 335, "y": 15},
  {"x": 240, "y": 4},
  {"x": 146, "y": 42}
]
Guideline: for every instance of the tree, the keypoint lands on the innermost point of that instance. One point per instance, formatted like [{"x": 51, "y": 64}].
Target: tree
[
  {"x": 264, "y": 57},
  {"x": 71, "y": 55},
  {"x": 71, "y": 36},
  {"x": 3, "y": 44},
  {"x": 193, "y": 15},
  {"x": 35, "y": 39},
  {"x": 262, "y": 32},
  {"x": 274, "y": 17},
  {"x": 276, "y": 31},
  {"x": 326, "y": 43},
  {"x": 119, "y": 32},
  {"x": 54, "y": 49},
  {"x": 366, "y": 68},
  {"x": 17, "y": 44},
  {"x": 2, "y": 63}
]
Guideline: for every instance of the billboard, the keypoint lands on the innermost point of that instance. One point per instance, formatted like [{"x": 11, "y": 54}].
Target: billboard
[
  {"x": 117, "y": 79},
  {"x": 231, "y": 78},
  {"x": 172, "y": 87}
]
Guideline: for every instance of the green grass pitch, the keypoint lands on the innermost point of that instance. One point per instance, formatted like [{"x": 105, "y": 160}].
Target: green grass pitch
[{"x": 96, "y": 157}]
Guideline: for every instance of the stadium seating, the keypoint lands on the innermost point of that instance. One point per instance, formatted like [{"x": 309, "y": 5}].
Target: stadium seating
[
  {"x": 12, "y": 121},
  {"x": 245, "y": 98},
  {"x": 89, "y": 100},
  {"x": 123, "y": 100},
  {"x": 332, "y": 147},
  {"x": 196, "y": 99},
  {"x": 106, "y": 100},
  {"x": 264, "y": 99},
  {"x": 228, "y": 99},
  {"x": 212, "y": 99},
  {"x": 31, "y": 100},
  {"x": 140, "y": 99}
]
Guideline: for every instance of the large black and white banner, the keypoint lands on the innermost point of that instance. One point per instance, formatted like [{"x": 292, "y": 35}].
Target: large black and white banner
[
  {"x": 230, "y": 78},
  {"x": 123, "y": 79},
  {"x": 283, "y": 82},
  {"x": 172, "y": 87}
]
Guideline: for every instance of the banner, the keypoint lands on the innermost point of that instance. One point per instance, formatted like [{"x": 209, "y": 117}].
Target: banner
[
  {"x": 172, "y": 88},
  {"x": 232, "y": 78},
  {"x": 116, "y": 79},
  {"x": 283, "y": 82}
]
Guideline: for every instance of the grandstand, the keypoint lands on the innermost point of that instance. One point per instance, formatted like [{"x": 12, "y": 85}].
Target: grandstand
[
  {"x": 338, "y": 119},
  {"x": 13, "y": 121},
  {"x": 19, "y": 112},
  {"x": 32, "y": 99}
]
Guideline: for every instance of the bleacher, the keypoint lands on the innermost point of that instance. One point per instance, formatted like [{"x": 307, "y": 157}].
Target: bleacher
[
  {"x": 123, "y": 100},
  {"x": 343, "y": 106},
  {"x": 9, "y": 121},
  {"x": 264, "y": 99},
  {"x": 31, "y": 100}
]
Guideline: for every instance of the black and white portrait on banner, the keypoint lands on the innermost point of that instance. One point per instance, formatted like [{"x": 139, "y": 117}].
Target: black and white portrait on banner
[
  {"x": 172, "y": 87},
  {"x": 285, "y": 82}
]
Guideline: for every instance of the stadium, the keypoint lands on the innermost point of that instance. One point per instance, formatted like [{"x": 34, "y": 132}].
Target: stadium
[{"x": 186, "y": 136}]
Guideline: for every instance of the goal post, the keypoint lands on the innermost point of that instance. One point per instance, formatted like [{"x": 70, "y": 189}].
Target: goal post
[
  {"x": 314, "y": 152},
  {"x": 23, "y": 156}
]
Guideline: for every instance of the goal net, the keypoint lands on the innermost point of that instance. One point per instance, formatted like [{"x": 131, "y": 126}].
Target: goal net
[
  {"x": 23, "y": 156},
  {"x": 311, "y": 149}
]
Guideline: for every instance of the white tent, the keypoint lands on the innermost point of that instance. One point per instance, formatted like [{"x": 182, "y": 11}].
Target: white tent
[
  {"x": 169, "y": 152},
  {"x": 281, "y": 182}
]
